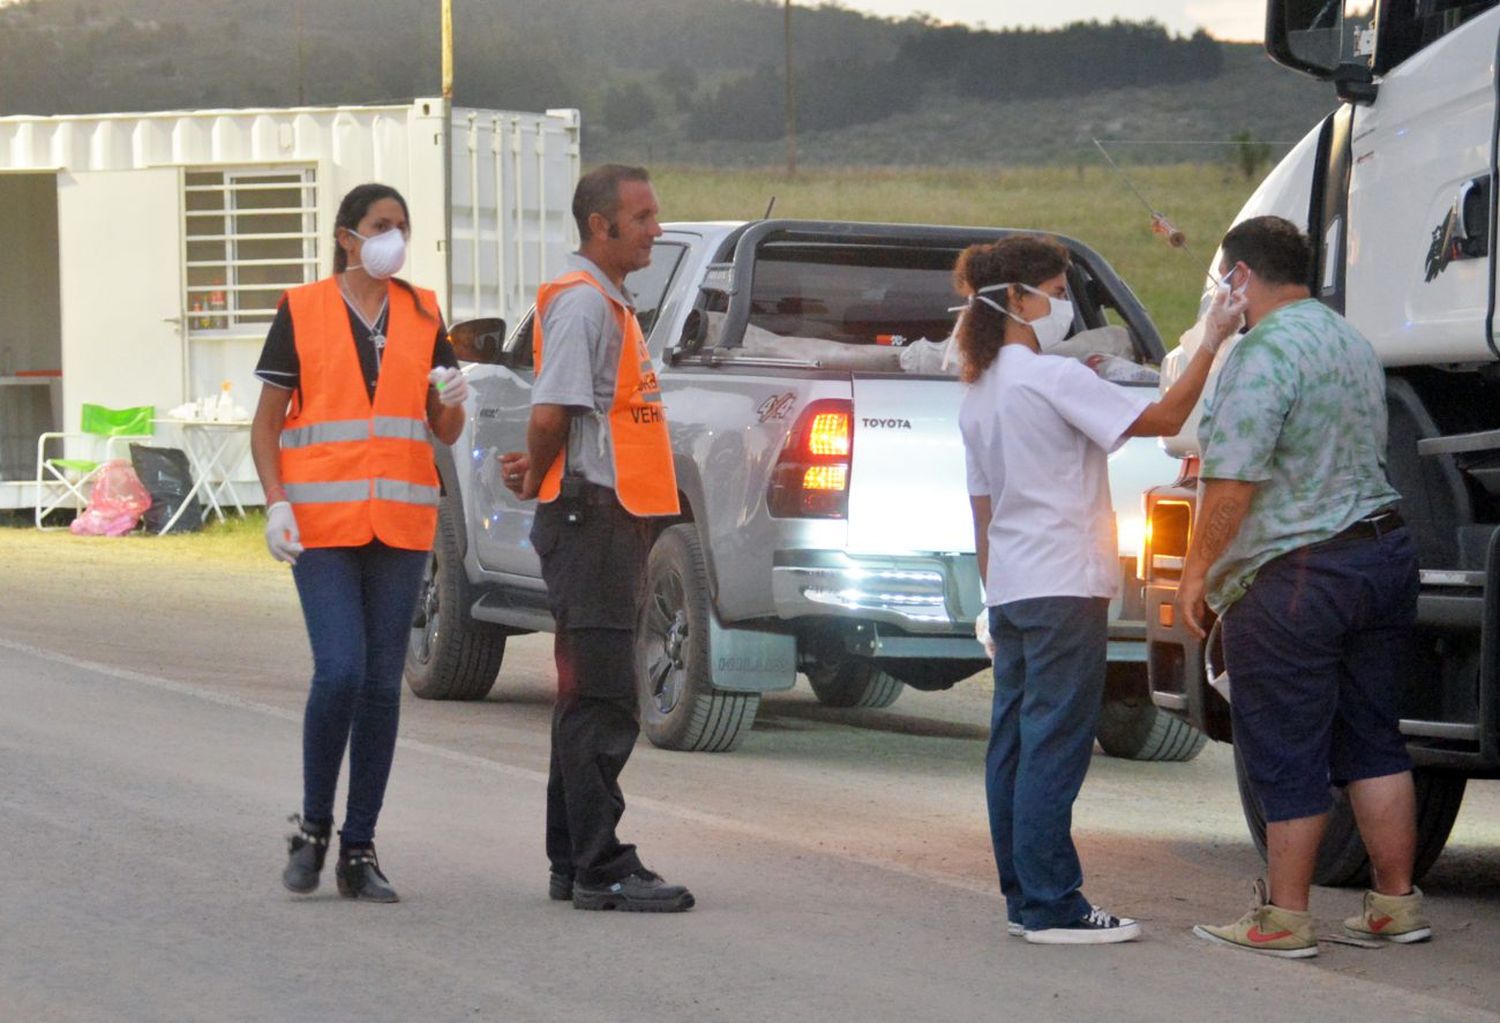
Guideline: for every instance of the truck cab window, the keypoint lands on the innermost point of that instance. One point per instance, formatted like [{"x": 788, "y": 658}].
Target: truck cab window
[
  {"x": 1412, "y": 25},
  {"x": 649, "y": 286}
]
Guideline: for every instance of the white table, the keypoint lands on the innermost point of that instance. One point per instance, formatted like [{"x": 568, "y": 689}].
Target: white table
[{"x": 213, "y": 447}]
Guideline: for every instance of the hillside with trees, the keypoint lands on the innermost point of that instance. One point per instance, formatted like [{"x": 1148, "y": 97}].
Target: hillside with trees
[{"x": 685, "y": 80}]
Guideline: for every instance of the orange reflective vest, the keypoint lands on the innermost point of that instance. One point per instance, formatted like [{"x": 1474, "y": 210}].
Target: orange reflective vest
[
  {"x": 357, "y": 470},
  {"x": 645, "y": 481}
]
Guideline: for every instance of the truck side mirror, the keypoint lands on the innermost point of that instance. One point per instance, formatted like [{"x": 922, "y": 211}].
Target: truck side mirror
[{"x": 481, "y": 340}]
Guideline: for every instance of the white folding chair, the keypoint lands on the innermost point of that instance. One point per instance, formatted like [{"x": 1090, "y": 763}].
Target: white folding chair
[{"x": 63, "y": 483}]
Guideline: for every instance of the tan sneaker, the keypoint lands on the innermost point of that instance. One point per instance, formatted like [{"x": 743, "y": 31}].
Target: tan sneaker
[
  {"x": 1391, "y": 918},
  {"x": 1267, "y": 929}
]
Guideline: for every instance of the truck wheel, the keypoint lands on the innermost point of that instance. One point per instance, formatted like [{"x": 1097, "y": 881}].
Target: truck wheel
[
  {"x": 852, "y": 682},
  {"x": 1133, "y": 728},
  {"x": 680, "y": 708},
  {"x": 450, "y": 656},
  {"x": 1342, "y": 859}
]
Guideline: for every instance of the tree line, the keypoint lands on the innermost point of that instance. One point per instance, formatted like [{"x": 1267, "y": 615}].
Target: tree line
[{"x": 709, "y": 69}]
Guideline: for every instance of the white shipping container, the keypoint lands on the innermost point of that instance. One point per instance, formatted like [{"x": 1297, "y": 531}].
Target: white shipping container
[{"x": 142, "y": 255}]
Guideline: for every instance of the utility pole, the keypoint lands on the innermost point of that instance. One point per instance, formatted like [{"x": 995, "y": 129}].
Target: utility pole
[
  {"x": 301, "y": 58},
  {"x": 448, "y": 50},
  {"x": 791, "y": 97}
]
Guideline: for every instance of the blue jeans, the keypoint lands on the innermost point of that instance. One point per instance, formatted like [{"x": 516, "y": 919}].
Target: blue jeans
[
  {"x": 358, "y": 604},
  {"x": 1049, "y": 684}
]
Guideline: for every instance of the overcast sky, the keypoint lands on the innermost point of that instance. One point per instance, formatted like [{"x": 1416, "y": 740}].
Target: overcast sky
[{"x": 1224, "y": 19}]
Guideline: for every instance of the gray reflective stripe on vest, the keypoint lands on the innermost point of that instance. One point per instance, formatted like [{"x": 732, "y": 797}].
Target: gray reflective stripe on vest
[
  {"x": 328, "y": 493},
  {"x": 337, "y": 431},
  {"x": 400, "y": 428},
  {"x": 652, "y": 396},
  {"x": 331, "y": 432},
  {"x": 359, "y": 490},
  {"x": 407, "y": 493}
]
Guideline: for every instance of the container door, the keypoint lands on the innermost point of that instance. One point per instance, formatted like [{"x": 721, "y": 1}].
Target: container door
[
  {"x": 120, "y": 252},
  {"x": 908, "y": 488},
  {"x": 1418, "y": 270}
]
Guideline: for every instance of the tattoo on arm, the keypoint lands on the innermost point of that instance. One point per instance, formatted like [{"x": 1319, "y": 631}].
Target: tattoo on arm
[{"x": 1219, "y": 527}]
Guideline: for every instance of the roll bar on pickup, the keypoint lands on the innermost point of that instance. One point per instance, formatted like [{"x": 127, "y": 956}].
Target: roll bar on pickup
[{"x": 732, "y": 271}]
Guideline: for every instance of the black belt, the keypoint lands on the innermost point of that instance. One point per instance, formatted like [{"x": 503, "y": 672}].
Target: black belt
[
  {"x": 1371, "y": 527},
  {"x": 597, "y": 494}
]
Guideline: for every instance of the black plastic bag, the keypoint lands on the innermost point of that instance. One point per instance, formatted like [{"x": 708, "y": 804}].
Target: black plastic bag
[{"x": 168, "y": 478}]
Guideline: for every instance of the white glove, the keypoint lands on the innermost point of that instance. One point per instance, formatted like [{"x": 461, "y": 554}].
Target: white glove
[
  {"x": 982, "y": 633},
  {"x": 451, "y": 385},
  {"x": 1225, "y": 316},
  {"x": 282, "y": 538}
]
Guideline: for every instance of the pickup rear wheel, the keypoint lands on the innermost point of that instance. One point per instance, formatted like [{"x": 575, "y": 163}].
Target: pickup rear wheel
[
  {"x": 450, "y": 656},
  {"x": 852, "y": 682},
  {"x": 1342, "y": 859},
  {"x": 680, "y": 708},
  {"x": 1133, "y": 728}
]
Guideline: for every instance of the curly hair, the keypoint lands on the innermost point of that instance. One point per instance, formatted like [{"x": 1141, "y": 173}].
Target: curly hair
[{"x": 1018, "y": 259}]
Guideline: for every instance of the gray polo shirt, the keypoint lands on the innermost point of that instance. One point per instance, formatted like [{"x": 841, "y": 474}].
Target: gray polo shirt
[{"x": 580, "y": 359}]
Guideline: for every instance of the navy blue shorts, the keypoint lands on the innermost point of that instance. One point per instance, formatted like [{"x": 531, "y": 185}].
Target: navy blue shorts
[{"x": 1317, "y": 651}]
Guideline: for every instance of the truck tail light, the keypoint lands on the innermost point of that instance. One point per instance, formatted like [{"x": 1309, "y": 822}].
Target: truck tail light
[
  {"x": 1169, "y": 528},
  {"x": 811, "y": 478}
]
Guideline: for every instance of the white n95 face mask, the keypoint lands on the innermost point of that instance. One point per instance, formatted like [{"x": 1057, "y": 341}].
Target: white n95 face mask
[
  {"x": 1051, "y": 329},
  {"x": 383, "y": 255}
]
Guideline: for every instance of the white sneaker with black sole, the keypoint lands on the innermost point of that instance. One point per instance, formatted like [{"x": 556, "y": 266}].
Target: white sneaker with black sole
[{"x": 1099, "y": 927}]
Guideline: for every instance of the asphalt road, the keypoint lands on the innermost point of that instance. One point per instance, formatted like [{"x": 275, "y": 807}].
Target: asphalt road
[{"x": 149, "y": 735}]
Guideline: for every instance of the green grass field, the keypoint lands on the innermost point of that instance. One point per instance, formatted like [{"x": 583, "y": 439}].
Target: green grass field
[{"x": 1091, "y": 204}]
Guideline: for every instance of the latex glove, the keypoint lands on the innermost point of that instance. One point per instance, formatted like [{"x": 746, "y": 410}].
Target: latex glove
[
  {"x": 282, "y": 538},
  {"x": 451, "y": 385},
  {"x": 982, "y": 633},
  {"x": 1225, "y": 316}
]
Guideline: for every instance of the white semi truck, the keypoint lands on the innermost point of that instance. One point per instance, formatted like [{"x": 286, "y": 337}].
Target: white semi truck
[{"x": 1397, "y": 190}]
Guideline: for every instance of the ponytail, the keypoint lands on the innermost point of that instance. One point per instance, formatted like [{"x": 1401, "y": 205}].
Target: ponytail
[{"x": 1017, "y": 259}]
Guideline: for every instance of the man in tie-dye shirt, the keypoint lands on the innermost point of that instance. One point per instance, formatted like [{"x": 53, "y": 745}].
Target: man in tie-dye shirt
[{"x": 1298, "y": 547}]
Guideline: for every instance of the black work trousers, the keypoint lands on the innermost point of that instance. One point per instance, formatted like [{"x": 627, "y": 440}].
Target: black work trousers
[{"x": 595, "y": 575}]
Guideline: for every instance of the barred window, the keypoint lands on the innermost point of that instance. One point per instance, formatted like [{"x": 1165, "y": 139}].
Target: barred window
[{"x": 250, "y": 235}]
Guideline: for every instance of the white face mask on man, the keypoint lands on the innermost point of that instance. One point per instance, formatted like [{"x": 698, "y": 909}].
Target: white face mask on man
[
  {"x": 383, "y": 255},
  {"x": 1049, "y": 329}
]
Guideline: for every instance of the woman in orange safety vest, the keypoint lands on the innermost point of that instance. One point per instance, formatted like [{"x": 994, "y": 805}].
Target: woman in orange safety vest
[{"x": 358, "y": 377}]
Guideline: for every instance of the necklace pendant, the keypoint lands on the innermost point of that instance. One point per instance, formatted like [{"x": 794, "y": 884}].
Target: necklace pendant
[{"x": 377, "y": 339}]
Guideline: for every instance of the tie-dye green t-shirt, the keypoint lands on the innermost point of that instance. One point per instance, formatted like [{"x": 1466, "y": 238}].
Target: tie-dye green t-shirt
[{"x": 1299, "y": 408}]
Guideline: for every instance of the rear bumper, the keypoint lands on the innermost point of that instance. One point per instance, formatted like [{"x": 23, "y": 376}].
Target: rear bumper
[
  {"x": 933, "y": 594},
  {"x": 915, "y": 605}
]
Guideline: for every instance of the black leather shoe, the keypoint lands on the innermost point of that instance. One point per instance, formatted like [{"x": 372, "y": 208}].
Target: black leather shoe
[
  {"x": 559, "y": 886},
  {"x": 640, "y": 892},
  {"x": 307, "y": 848},
  {"x": 359, "y": 877}
]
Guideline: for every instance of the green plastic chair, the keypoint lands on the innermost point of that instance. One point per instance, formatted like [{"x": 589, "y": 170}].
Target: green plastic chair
[{"x": 63, "y": 483}]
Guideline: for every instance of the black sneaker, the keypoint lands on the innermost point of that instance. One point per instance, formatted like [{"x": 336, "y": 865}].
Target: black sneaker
[
  {"x": 359, "y": 877},
  {"x": 307, "y": 848},
  {"x": 1097, "y": 928},
  {"x": 559, "y": 886},
  {"x": 640, "y": 892}
]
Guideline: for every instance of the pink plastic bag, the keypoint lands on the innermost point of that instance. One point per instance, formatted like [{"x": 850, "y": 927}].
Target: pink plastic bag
[{"x": 115, "y": 502}]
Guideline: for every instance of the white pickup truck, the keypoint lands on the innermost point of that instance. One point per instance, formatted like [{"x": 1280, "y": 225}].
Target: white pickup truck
[{"x": 825, "y": 524}]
